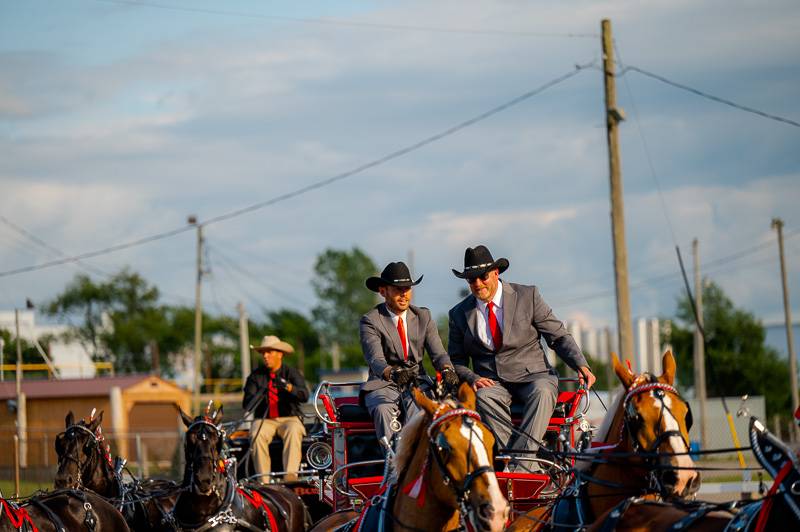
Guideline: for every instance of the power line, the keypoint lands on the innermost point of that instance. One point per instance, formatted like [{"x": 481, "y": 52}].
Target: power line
[
  {"x": 712, "y": 266},
  {"x": 709, "y": 96},
  {"x": 103, "y": 251},
  {"x": 36, "y": 240},
  {"x": 258, "y": 281},
  {"x": 402, "y": 151},
  {"x": 313, "y": 186},
  {"x": 350, "y": 23},
  {"x": 646, "y": 149}
]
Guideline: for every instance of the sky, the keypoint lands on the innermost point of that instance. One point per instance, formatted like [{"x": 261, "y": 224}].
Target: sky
[{"x": 119, "y": 119}]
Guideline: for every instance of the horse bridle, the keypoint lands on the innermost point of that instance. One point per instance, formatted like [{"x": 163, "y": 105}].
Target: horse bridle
[
  {"x": 631, "y": 420},
  {"x": 203, "y": 422},
  {"x": 76, "y": 459},
  {"x": 462, "y": 492},
  {"x": 632, "y": 416}
]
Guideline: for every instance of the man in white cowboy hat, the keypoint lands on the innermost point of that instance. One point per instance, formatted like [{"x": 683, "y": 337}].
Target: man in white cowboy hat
[
  {"x": 394, "y": 336},
  {"x": 499, "y": 327},
  {"x": 274, "y": 392}
]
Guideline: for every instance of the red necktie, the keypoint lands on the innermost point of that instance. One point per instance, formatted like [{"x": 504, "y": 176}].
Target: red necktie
[
  {"x": 273, "y": 397},
  {"x": 402, "y": 332},
  {"x": 497, "y": 334}
]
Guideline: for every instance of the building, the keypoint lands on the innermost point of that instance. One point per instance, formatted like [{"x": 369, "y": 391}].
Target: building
[
  {"x": 70, "y": 358},
  {"x": 139, "y": 415}
]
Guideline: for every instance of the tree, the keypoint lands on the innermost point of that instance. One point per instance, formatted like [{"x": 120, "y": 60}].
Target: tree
[
  {"x": 737, "y": 360},
  {"x": 343, "y": 299},
  {"x": 118, "y": 320}
]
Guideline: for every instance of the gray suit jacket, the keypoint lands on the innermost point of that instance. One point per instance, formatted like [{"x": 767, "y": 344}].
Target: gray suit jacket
[
  {"x": 526, "y": 319},
  {"x": 382, "y": 348}
]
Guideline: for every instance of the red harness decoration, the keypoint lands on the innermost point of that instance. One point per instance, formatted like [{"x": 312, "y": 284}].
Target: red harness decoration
[
  {"x": 17, "y": 516},
  {"x": 257, "y": 501},
  {"x": 416, "y": 488},
  {"x": 763, "y": 515}
]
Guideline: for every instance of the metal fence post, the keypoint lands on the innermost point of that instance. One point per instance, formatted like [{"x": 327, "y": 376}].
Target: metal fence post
[{"x": 139, "y": 451}]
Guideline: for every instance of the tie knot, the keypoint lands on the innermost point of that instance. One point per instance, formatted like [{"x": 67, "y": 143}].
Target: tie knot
[{"x": 490, "y": 304}]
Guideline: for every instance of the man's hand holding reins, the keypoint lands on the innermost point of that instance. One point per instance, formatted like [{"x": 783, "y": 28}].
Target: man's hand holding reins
[
  {"x": 586, "y": 377},
  {"x": 402, "y": 376},
  {"x": 450, "y": 378}
]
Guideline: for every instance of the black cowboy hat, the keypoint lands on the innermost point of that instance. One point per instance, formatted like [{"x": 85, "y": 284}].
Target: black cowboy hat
[
  {"x": 394, "y": 274},
  {"x": 477, "y": 261}
]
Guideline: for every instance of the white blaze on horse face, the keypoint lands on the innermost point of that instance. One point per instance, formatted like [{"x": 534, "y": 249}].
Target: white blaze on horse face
[
  {"x": 678, "y": 446},
  {"x": 471, "y": 433}
]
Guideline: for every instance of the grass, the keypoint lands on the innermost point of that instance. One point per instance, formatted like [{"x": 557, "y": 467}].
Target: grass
[{"x": 26, "y": 487}]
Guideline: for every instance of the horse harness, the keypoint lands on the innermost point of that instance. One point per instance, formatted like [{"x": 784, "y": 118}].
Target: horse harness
[
  {"x": 572, "y": 508},
  {"x": 373, "y": 515},
  {"x": 231, "y": 504},
  {"x": 98, "y": 444},
  {"x": 21, "y": 520}
]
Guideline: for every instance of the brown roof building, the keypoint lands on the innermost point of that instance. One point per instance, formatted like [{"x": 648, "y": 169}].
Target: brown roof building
[{"x": 138, "y": 415}]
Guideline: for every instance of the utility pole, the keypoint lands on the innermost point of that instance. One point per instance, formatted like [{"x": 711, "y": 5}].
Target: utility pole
[
  {"x": 614, "y": 116},
  {"x": 699, "y": 347},
  {"x": 610, "y": 376},
  {"x": 198, "y": 316},
  {"x": 244, "y": 341},
  {"x": 22, "y": 418},
  {"x": 777, "y": 224}
]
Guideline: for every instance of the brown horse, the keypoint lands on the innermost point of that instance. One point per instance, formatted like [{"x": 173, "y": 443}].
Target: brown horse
[
  {"x": 444, "y": 474},
  {"x": 84, "y": 462},
  {"x": 644, "y": 434},
  {"x": 212, "y": 500},
  {"x": 72, "y": 510},
  {"x": 779, "y": 510}
]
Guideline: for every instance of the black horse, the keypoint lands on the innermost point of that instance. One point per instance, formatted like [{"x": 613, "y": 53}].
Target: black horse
[
  {"x": 84, "y": 462},
  {"x": 72, "y": 510},
  {"x": 211, "y": 499}
]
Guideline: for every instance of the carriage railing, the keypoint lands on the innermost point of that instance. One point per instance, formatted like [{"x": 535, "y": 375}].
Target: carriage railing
[
  {"x": 337, "y": 476},
  {"x": 329, "y": 416}
]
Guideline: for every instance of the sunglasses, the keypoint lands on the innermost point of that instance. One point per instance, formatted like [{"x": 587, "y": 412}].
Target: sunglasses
[{"x": 484, "y": 277}]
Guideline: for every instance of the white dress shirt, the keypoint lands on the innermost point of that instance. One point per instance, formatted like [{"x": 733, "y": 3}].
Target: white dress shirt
[
  {"x": 483, "y": 316},
  {"x": 395, "y": 318}
]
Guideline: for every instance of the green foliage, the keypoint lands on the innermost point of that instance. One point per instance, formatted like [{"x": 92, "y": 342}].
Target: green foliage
[
  {"x": 29, "y": 353},
  {"x": 343, "y": 299},
  {"x": 737, "y": 359}
]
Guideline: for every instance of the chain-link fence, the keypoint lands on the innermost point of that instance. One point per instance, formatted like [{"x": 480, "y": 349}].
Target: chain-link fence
[{"x": 149, "y": 454}]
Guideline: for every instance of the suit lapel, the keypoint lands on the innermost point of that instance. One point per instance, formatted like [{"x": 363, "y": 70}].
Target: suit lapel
[
  {"x": 412, "y": 335},
  {"x": 509, "y": 306},
  {"x": 391, "y": 331},
  {"x": 471, "y": 313}
]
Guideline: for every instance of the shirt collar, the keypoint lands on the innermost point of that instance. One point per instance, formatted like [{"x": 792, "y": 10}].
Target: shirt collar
[{"x": 394, "y": 316}]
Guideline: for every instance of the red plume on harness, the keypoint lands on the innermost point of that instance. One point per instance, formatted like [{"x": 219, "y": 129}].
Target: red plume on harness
[{"x": 416, "y": 488}]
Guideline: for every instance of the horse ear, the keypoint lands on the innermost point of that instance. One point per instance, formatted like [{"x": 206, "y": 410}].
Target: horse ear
[
  {"x": 186, "y": 419},
  {"x": 96, "y": 421},
  {"x": 668, "y": 363},
  {"x": 466, "y": 396},
  {"x": 218, "y": 416},
  {"x": 623, "y": 373},
  {"x": 423, "y": 402},
  {"x": 70, "y": 419}
]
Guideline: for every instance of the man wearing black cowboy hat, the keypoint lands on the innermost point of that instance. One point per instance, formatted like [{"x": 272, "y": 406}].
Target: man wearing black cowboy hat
[
  {"x": 499, "y": 327},
  {"x": 393, "y": 337}
]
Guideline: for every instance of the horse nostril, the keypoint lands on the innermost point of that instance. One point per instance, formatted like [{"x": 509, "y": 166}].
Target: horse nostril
[
  {"x": 670, "y": 477},
  {"x": 486, "y": 510}
]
